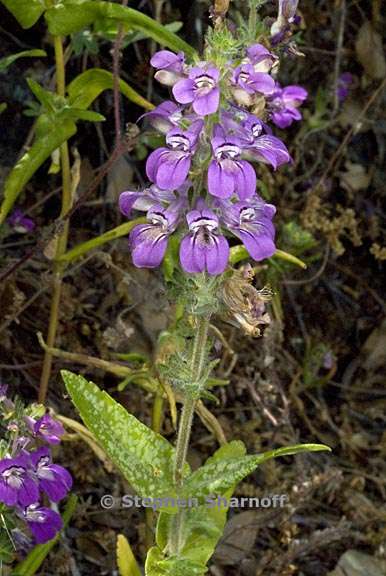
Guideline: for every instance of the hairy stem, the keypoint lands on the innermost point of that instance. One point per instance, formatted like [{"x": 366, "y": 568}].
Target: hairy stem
[
  {"x": 185, "y": 427},
  {"x": 61, "y": 241}
]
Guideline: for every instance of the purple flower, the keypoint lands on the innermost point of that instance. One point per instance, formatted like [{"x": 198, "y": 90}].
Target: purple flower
[
  {"x": 344, "y": 82},
  {"x": 43, "y": 522},
  {"x": 169, "y": 66},
  {"x": 286, "y": 16},
  {"x": 203, "y": 249},
  {"x": 148, "y": 242},
  {"x": 48, "y": 429},
  {"x": 251, "y": 221},
  {"x": 16, "y": 484},
  {"x": 251, "y": 81},
  {"x": 3, "y": 392},
  {"x": 20, "y": 222},
  {"x": 169, "y": 167},
  {"x": 200, "y": 88},
  {"x": 53, "y": 479},
  {"x": 165, "y": 116},
  {"x": 227, "y": 173},
  {"x": 262, "y": 147},
  {"x": 143, "y": 200},
  {"x": 261, "y": 58},
  {"x": 284, "y": 104}
]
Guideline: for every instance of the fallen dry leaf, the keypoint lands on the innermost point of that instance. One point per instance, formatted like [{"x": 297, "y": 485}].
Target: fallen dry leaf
[{"x": 370, "y": 52}]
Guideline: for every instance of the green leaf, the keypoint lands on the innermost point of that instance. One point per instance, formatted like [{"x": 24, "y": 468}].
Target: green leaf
[
  {"x": 71, "y": 16},
  {"x": 86, "y": 87},
  {"x": 238, "y": 253},
  {"x": 144, "y": 457},
  {"x": 48, "y": 138},
  {"x": 26, "y": 12},
  {"x": 45, "y": 97},
  {"x": 35, "y": 558},
  {"x": 6, "y": 548},
  {"x": 203, "y": 527},
  {"x": 3, "y": 106},
  {"x": 79, "y": 114},
  {"x": 127, "y": 564},
  {"x": 215, "y": 477},
  {"x": 85, "y": 247},
  {"x": 8, "y": 60}
]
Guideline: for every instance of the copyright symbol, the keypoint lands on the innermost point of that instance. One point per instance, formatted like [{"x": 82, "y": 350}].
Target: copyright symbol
[{"x": 107, "y": 501}]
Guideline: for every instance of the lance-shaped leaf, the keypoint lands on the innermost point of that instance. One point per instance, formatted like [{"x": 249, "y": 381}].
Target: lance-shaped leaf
[
  {"x": 70, "y": 16},
  {"x": 85, "y": 247},
  {"x": 86, "y": 87},
  {"x": 26, "y": 12},
  {"x": 203, "y": 527},
  {"x": 215, "y": 477},
  {"x": 8, "y": 60},
  {"x": 239, "y": 253},
  {"x": 48, "y": 139},
  {"x": 144, "y": 457}
]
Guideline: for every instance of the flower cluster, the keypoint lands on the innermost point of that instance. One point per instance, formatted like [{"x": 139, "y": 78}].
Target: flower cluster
[
  {"x": 202, "y": 181},
  {"x": 27, "y": 472}
]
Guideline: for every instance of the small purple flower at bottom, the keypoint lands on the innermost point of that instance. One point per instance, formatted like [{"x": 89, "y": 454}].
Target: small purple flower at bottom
[
  {"x": 200, "y": 89},
  {"x": 48, "y": 429},
  {"x": 43, "y": 522},
  {"x": 21, "y": 223},
  {"x": 203, "y": 249},
  {"x": 148, "y": 242},
  {"x": 16, "y": 484},
  {"x": 54, "y": 480},
  {"x": 284, "y": 104},
  {"x": 344, "y": 82},
  {"x": 252, "y": 223},
  {"x": 228, "y": 174},
  {"x": 169, "y": 167},
  {"x": 169, "y": 66}
]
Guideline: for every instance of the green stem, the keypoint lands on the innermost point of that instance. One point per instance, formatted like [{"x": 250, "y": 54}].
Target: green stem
[
  {"x": 61, "y": 243},
  {"x": 185, "y": 427},
  {"x": 156, "y": 424},
  {"x": 252, "y": 24}
]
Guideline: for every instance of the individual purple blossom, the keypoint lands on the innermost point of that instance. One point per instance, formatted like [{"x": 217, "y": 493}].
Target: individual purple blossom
[
  {"x": 228, "y": 174},
  {"x": 20, "y": 222},
  {"x": 168, "y": 167},
  {"x": 53, "y": 479},
  {"x": 165, "y": 116},
  {"x": 250, "y": 81},
  {"x": 262, "y": 147},
  {"x": 200, "y": 89},
  {"x": 3, "y": 392},
  {"x": 43, "y": 522},
  {"x": 203, "y": 249},
  {"x": 148, "y": 242},
  {"x": 16, "y": 484},
  {"x": 284, "y": 103},
  {"x": 169, "y": 66},
  {"x": 48, "y": 429},
  {"x": 286, "y": 16},
  {"x": 261, "y": 58},
  {"x": 143, "y": 200},
  {"x": 251, "y": 222},
  {"x": 344, "y": 82}
]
